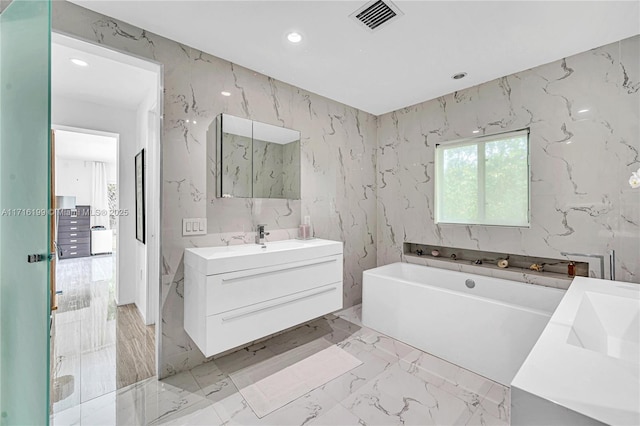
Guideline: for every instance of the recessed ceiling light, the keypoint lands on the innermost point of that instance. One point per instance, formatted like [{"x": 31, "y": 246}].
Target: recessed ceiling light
[
  {"x": 195, "y": 122},
  {"x": 583, "y": 110},
  {"x": 225, "y": 93},
  {"x": 459, "y": 75},
  {"x": 187, "y": 120},
  {"x": 79, "y": 62},
  {"x": 476, "y": 131},
  {"x": 294, "y": 37},
  {"x": 568, "y": 142}
]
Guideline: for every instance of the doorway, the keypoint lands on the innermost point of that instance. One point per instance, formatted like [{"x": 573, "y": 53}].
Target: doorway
[{"x": 105, "y": 111}]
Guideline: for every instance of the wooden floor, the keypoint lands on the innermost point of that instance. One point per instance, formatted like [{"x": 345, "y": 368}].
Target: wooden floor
[
  {"x": 96, "y": 346},
  {"x": 135, "y": 347}
]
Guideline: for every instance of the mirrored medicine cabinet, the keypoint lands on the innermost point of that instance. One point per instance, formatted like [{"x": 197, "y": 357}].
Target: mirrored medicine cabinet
[{"x": 256, "y": 160}]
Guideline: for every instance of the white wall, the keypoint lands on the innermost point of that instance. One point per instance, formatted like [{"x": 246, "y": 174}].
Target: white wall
[
  {"x": 143, "y": 141},
  {"x": 87, "y": 115}
]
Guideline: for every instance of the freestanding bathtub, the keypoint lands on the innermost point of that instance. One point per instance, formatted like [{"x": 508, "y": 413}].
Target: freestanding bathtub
[{"x": 484, "y": 324}]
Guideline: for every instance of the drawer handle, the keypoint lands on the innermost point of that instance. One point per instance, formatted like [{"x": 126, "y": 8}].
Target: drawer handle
[
  {"x": 73, "y": 241},
  {"x": 73, "y": 235},
  {"x": 73, "y": 252},
  {"x": 277, "y": 305},
  {"x": 259, "y": 274},
  {"x": 72, "y": 247},
  {"x": 73, "y": 221},
  {"x": 75, "y": 227}
]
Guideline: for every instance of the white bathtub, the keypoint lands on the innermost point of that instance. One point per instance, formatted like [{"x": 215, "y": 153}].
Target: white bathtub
[{"x": 488, "y": 329}]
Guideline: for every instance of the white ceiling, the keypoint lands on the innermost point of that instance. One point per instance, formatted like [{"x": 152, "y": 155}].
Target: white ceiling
[
  {"x": 105, "y": 81},
  {"x": 86, "y": 147},
  {"x": 409, "y": 61}
]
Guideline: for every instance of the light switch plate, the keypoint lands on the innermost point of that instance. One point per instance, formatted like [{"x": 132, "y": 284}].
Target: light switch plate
[{"x": 194, "y": 226}]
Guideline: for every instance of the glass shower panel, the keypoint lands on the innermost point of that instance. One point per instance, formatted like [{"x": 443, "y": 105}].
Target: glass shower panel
[{"x": 24, "y": 212}]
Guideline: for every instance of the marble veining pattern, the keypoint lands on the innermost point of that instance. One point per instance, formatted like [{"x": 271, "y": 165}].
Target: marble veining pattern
[
  {"x": 338, "y": 149},
  {"x": 583, "y": 115},
  {"x": 368, "y": 181},
  {"x": 395, "y": 385}
]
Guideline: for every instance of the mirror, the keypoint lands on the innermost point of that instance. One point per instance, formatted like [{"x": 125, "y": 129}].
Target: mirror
[{"x": 256, "y": 160}]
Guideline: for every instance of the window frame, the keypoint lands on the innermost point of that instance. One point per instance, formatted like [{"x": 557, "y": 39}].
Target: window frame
[{"x": 478, "y": 141}]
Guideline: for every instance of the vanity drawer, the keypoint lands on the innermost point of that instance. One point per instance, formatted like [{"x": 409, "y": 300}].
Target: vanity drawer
[
  {"x": 241, "y": 326},
  {"x": 225, "y": 292}
]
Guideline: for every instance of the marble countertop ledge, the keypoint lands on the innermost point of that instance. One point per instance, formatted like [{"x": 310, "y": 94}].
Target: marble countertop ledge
[{"x": 586, "y": 359}]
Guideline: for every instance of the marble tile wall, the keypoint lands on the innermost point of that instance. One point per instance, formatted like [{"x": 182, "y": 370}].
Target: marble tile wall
[
  {"x": 267, "y": 169},
  {"x": 338, "y": 151},
  {"x": 291, "y": 170},
  {"x": 236, "y": 165},
  {"x": 583, "y": 113},
  {"x": 581, "y": 201}
]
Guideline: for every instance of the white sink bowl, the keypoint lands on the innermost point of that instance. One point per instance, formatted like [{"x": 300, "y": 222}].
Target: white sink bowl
[
  {"x": 587, "y": 359},
  {"x": 609, "y": 325},
  {"x": 218, "y": 260}
]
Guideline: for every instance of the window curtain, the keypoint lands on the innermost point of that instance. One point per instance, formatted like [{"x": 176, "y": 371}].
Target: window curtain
[{"x": 99, "y": 196}]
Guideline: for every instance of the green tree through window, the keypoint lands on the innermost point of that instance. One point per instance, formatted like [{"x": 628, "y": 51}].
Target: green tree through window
[{"x": 484, "y": 181}]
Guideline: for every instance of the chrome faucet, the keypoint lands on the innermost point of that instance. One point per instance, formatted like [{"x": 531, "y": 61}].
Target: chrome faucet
[{"x": 260, "y": 234}]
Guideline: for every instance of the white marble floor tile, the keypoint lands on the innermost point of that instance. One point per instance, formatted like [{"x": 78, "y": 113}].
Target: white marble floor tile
[
  {"x": 243, "y": 358},
  {"x": 348, "y": 383},
  {"x": 384, "y": 346},
  {"x": 98, "y": 372},
  {"x": 481, "y": 417},
  {"x": 158, "y": 402},
  {"x": 352, "y": 314},
  {"x": 202, "y": 413},
  {"x": 465, "y": 384},
  {"x": 67, "y": 417},
  {"x": 396, "y": 384},
  {"x": 396, "y": 397},
  {"x": 497, "y": 402},
  {"x": 234, "y": 410},
  {"x": 298, "y": 337},
  {"x": 215, "y": 384},
  {"x": 100, "y": 411},
  {"x": 65, "y": 389},
  {"x": 336, "y": 416},
  {"x": 461, "y": 383},
  {"x": 303, "y": 410}
]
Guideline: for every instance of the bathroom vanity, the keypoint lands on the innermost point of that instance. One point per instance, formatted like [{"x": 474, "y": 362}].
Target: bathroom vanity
[
  {"x": 234, "y": 295},
  {"x": 585, "y": 367}
]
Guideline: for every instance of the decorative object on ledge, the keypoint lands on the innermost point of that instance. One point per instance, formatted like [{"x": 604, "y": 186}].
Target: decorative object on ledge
[
  {"x": 634, "y": 180},
  {"x": 503, "y": 263},
  {"x": 552, "y": 268},
  {"x": 419, "y": 252},
  {"x": 478, "y": 262},
  {"x": 571, "y": 269},
  {"x": 538, "y": 267},
  {"x": 435, "y": 253}
]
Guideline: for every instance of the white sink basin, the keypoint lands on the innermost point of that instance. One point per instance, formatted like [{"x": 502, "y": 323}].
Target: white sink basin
[
  {"x": 587, "y": 359},
  {"x": 609, "y": 325},
  {"x": 218, "y": 260}
]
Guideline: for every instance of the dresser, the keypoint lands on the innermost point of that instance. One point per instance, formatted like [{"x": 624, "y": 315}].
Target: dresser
[{"x": 74, "y": 232}]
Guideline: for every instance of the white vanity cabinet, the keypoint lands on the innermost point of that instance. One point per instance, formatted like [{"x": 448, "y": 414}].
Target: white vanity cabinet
[{"x": 237, "y": 294}]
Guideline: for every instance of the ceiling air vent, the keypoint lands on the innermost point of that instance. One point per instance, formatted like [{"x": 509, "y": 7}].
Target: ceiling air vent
[{"x": 376, "y": 13}]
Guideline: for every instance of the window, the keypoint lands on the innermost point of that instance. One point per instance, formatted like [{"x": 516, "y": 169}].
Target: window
[{"x": 484, "y": 181}]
